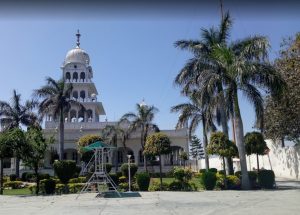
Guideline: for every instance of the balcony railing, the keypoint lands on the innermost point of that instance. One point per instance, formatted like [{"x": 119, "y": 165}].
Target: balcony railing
[{"x": 79, "y": 81}]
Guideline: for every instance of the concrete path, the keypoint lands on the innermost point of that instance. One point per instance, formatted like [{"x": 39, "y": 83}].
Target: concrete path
[{"x": 159, "y": 203}]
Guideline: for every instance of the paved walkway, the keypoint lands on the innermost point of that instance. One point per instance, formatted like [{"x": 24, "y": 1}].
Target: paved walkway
[{"x": 159, "y": 203}]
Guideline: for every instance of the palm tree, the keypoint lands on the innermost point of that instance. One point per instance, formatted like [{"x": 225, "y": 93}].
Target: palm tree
[
  {"x": 194, "y": 113},
  {"x": 56, "y": 100},
  {"x": 243, "y": 68},
  {"x": 14, "y": 114},
  {"x": 188, "y": 77},
  {"x": 113, "y": 133},
  {"x": 141, "y": 121}
]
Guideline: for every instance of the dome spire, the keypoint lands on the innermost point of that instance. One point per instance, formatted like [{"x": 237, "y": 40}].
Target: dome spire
[{"x": 78, "y": 38}]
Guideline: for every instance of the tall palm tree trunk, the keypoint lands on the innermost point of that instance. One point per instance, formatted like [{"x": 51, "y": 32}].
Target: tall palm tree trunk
[
  {"x": 228, "y": 160},
  {"x": 205, "y": 145},
  {"x": 257, "y": 161},
  {"x": 61, "y": 135},
  {"x": 17, "y": 167},
  {"x": 240, "y": 143}
]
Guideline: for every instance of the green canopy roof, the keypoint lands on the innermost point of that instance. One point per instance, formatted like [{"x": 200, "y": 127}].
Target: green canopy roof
[{"x": 97, "y": 145}]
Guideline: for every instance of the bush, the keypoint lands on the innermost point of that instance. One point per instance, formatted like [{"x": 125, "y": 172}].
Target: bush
[
  {"x": 181, "y": 186},
  {"x": 238, "y": 174},
  {"x": 43, "y": 176},
  {"x": 75, "y": 187},
  {"x": 155, "y": 186},
  {"x": 182, "y": 175},
  {"x": 202, "y": 170},
  {"x": 213, "y": 170},
  {"x": 12, "y": 177},
  {"x": 30, "y": 177},
  {"x": 122, "y": 179},
  {"x": 266, "y": 179},
  {"x": 59, "y": 188},
  {"x": 48, "y": 186},
  {"x": 24, "y": 176},
  {"x": 133, "y": 169},
  {"x": 233, "y": 182},
  {"x": 32, "y": 188},
  {"x": 143, "y": 181},
  {"x": 77, "y": 172},
  {"x": 13, "y": 184},
  {"x": 78, "y": 180},
  {"x": 123, "y": 186},
  {"x": 115, "y": 178},
  {"x": 108, "y": 167},
  {"x": 64, "y": 170},
  {"x": 221, "y": 172},
  {"x": 208, "y": 180}
]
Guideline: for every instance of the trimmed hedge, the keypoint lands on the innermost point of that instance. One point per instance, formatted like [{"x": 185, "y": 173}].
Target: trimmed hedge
[
  {"x": 133, "y": 169},
  {"x": 208, "y": 180},
  {"x": 143, "y": 181},
  {"x": 13, "y": 184},
  {"x": 64, "y": 170},
  {"x": 266, "y": 179},
  {"x": 48, "y": 186}
]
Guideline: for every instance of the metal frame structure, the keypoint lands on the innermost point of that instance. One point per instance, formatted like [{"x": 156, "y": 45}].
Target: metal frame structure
[{"x": 100, "y": 182}]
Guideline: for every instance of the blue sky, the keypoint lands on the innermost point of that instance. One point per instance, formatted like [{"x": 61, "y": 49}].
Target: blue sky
[{"x": 133, "y": 57}]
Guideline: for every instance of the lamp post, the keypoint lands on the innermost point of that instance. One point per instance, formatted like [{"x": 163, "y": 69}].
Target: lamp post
[{"x": 129, "y": 177}]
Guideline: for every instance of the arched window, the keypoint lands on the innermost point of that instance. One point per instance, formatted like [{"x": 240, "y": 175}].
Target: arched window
[
  {"x": 75, "y": 94},
  {"x": 89, "y": 115},
  {"x": 81, "y": 116},
  {"x": 82, "y": 94},
  {"x": 75, "y": 76},
  {"x": 82, "y": 76},
  {"x": 68, "y": 76},
  {"x": 73, "y": 115}
]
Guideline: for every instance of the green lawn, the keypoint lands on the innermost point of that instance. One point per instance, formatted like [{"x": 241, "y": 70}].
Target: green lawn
[{"x": 23, "y": 191}]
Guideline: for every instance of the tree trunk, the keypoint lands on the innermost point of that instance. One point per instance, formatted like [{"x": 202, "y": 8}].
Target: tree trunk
[
  {"x": 61, "y": 135},
  {"x": 160, "y": 176},
  {"x": 228, "y": 160},
  {"x": 257, "y": 161},
  {"x": 240, "y": 143},
  {"x": 1, "y": 176},
  {"x": 224, "y": 169},
  {"x": 116, "y": 160},
  {"x": 282, "y": 142},
  {"x": 37, "y": 190},
  {"x": 205, "y": 145},
  {"x": 17, "y": 167}
]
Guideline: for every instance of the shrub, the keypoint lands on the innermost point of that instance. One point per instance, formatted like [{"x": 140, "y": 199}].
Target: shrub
[
  {"x": 30, "y": 177},
  {"x": 208, "y": 180},
  {"x": 108, "y": 168},
  {"x": 233, "y": 182},
  {"x": 238, "y": 174},
  {"x": 155, "y": 186},
  {"x": 183, "y": 175},
  {"x": 133, "y": 169},
  {"x": 24, "y": 176},
  {"x": 221, "y": 172},
  {"x": 213, "y": 170},
  {"x": 75, "y": 187},
  {"x": 78, "y": 180},
  {"x": 266, "y": 179},
  {"x": 64, "y": 170},
  {"x": 12, "y": 177},
  {"x": 32, "y": 188},
  {"x": 181, "y": 186},
  {"x": 143, "y": 181},
  {"x": 77, "y": 172},
  {"x": 59, "y": 188},
  {"x": 123, "y": 186},
  {"x": 43, "y": 176},
  {"x": 48, "y": 186},
  {"x": 13, "y": 184},
  {"x": 202, "y": 170}
]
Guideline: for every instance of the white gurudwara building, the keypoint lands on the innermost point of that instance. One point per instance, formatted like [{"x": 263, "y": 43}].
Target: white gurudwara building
[{"x": 76, "y": 69}]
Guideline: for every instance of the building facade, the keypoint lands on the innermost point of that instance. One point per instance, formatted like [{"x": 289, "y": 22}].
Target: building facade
[{"x": 76, "y": 69}]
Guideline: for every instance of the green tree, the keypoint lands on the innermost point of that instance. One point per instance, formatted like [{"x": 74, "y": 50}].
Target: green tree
[
  {"x": 85, "y": 141},
  {"x": 6, "y": 151},
  {"x": 188, "y": 77},
  {"x": 192, "y": 114},
  {"x": 219, "y": 144},
  {"x": 158, "y": 144},
  {"x": 34, "y": 151},
  {"x": 56, "y": 100},
  {"x": 196, "y": 149},
  {"x": 283, "y": 113},
  {"x": 255, "y": 144},
  {"x": 141, "y": 121},
  {"x": 14, "y": 114},
  {"x": 113, "y": 133}
]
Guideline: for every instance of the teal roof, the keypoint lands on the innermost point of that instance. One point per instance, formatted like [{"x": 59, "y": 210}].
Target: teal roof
[{"x": 97, "y": 145}]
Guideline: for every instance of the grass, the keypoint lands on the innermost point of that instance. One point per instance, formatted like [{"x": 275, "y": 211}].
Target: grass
[{"x": 23, "y": 191}]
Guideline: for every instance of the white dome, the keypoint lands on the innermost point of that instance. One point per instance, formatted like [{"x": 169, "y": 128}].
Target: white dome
[{"x": 77, "y": 55}]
